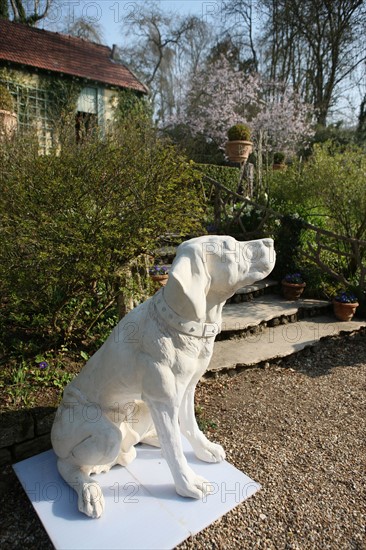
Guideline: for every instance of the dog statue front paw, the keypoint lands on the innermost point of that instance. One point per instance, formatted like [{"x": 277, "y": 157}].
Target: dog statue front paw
[
  {"x": 210, "y": 452},
  {"x": 194, "y": 486},
  {"x": 91, "y": 500}
]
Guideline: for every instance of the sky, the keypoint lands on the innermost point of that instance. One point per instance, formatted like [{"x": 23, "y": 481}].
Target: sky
[{"x": 111, "y": 13}]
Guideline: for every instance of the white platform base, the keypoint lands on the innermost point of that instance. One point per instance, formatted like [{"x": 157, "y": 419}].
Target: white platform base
[{"x": 142, "y": 511}]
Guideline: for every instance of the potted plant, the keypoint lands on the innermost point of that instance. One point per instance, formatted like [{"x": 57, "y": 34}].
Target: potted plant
[
  {"x": 345, "y": 305},
  {"x": 279, "y": 161},
  {"x": 8, "y": 119},
  {"x": 239, "y": 146},
  {"x": 159, "y": 274},
  {"x": 293, "y": 286}
]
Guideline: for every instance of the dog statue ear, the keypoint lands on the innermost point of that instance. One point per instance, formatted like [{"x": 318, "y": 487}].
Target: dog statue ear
[{"x": 188, "y": 283}]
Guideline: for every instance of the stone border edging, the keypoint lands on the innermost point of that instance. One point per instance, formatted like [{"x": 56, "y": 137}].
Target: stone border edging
[{"x": 25, "y": 433}]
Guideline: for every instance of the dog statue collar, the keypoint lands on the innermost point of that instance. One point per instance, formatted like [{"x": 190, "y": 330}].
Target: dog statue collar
[{"x": 191, "y": 328}]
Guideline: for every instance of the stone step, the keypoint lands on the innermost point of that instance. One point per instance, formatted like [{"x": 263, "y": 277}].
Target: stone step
[
  {"x": 271, "y": 343},
  {"x": 247, "y": 293},
  {"x": 260, "y": 285},
  {"x": 237, "y": 319}
]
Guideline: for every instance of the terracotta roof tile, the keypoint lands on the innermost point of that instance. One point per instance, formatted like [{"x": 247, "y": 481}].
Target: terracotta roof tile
[{"x": 65, "y": 54}]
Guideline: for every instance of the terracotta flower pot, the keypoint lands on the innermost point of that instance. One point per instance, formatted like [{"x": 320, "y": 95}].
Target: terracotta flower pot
[
  {"x": 344, "y": 311},
  {"x": 281, "y": 166},
  {"x": 238, "y": 151},
  {"x": 161, "y": 280},
  {"x": 292, "y": 291}
]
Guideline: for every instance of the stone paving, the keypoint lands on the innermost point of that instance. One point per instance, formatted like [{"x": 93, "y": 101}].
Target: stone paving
[{"x": 269, "y": 327}]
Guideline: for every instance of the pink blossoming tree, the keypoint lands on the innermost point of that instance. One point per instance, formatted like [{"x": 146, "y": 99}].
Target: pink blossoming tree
[{"x": 220, "y": 97}]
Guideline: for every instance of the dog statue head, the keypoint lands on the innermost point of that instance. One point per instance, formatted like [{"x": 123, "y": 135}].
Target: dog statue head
[{"x": 208, "y": 270}]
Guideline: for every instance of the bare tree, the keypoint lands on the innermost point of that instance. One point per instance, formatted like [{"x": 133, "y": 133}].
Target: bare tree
[
  {"x": 87, "y": 29},
  {"x": 162, "y": 46},
  {"x": 23, "y": 11},
  {"x": 316, "y": 45},
  {"x": 240, "y": 26}
]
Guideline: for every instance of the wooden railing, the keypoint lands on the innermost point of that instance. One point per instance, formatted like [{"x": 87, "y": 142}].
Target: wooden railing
[{"x": 319, "y": 249}]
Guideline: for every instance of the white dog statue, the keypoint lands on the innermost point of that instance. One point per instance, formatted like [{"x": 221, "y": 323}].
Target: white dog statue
[{"x": 139, "y": 386}]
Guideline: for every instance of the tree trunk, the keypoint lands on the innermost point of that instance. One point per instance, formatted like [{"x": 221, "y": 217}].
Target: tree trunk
[{"x": 4, "y": 9}]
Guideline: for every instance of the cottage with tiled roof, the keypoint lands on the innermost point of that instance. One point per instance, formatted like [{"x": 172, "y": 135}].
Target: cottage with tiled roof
[{"x": 32, "y": 60}]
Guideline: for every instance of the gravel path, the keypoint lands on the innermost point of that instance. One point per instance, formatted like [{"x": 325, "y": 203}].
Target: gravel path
[{"x": 299, "y": 429}]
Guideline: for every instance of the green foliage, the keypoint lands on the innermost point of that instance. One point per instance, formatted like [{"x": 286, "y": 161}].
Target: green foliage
[
  {"x": 279, "y": 158},
  {"x": 23, "y": 381},
  {"x": 226, "y": 175},
  {"x": 131, "y": 104},
  {"x": 196, "y": 147},
  {"x": 6, "y": 101},
  {"x": 335, "y": 177},
  {"x": 335, "y": 133},
  {"x": 239, "y": 132},
  {"x": 288, "y": 242},
  {"x": 204, "y": 423},
  {"x": 230, "y": 215},
  {"x": 73, "y": 220},
  {"x": 328, "y": 191},
  {"x": 63, "y": 95}
]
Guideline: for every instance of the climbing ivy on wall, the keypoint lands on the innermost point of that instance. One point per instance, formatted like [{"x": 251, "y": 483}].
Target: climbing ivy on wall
[
  {"x": 63, "y": 96},
  {"x": 131, "y": 104},
  {"x": 62, "y": 93},
  {"x": 9, "y": 75}
]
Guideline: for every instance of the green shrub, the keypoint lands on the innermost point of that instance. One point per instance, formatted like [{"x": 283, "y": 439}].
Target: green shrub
[
  {"x": 226, "y": 175},
  {"x": 328, "y": 191},
  {"x": 130, "y": 104},
  {"x": 335, "y": 177},
  {"x": 239, "y": 132},
  {"x": 223, "y": 174},
  {"x": 72, "y": 221},
  {"x": 288, "y": 238},
  {"x": 279, "y": 158},
  {"x": 196, "y": 147}
]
